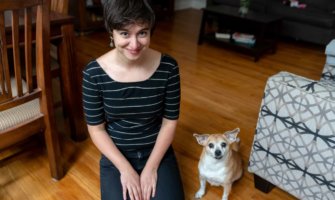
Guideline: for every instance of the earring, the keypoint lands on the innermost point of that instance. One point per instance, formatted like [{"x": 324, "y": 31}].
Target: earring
[{"x": 111, "y": 44}]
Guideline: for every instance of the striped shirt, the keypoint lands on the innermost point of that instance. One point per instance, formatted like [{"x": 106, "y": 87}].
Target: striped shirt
[{"x": 132, "y": 111}]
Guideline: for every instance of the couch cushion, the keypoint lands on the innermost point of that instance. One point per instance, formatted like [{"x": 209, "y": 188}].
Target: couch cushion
[
  {"x": 327, "y": 5},
  {"x": 257, "y": 5},
  {"x": 309, "y": 15},
  {"x": 235, "y": 3}
]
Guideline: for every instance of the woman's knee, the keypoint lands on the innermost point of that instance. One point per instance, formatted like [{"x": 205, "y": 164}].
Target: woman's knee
[
  {"x": 169, "y": 183},
  {"x": 110, "y": 183}
]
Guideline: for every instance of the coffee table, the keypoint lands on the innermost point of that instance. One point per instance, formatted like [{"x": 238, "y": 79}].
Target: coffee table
[{"x": 264, "y": 27}]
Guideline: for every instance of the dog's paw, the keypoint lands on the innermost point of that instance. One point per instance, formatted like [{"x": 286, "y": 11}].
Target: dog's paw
[{"x": 199, "y": 194}]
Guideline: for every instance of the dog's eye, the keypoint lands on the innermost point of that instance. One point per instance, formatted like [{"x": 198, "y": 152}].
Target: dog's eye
[
  {"x": 211, "y": 145},
  {"x": 223, "y": 144}
]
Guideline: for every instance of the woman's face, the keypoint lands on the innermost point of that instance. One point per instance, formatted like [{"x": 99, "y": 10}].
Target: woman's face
[{"x": 132, "y": 40}]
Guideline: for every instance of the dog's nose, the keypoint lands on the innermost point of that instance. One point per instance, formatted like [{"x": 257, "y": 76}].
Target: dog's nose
[{"x": 217, "y": 153}]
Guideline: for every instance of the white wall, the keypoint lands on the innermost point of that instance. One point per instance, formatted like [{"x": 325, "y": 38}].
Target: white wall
[
  {"x": 183, "y": 4},
  {"x": 198, "y": 4}
]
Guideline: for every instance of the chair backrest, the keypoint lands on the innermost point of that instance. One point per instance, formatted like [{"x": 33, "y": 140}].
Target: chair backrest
[
  {"x": 22, "y": 23},
  {"x": 60, "y": 6}
]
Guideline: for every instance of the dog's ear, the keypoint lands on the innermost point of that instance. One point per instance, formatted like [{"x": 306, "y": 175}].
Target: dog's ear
[
  {"x": 232, "y": 135},
  {"x": 201, "y": 138}
]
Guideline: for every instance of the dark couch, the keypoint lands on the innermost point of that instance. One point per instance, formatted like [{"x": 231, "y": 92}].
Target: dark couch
[{"x": 315, "y": 23}]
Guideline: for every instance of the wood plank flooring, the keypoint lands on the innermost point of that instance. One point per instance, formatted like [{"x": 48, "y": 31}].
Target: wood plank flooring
[{"x": 221, "y": 90}]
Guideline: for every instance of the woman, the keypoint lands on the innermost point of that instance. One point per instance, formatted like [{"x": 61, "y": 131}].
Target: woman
[{"x": 131, "y": 98}]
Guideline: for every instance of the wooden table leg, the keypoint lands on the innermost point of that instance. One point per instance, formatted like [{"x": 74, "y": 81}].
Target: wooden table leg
[
  {"x": 202, "y": 27},
  {"x": 71, "y": 75}
]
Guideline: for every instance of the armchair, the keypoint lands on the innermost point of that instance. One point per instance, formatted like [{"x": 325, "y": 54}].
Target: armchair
[{"x": 294, "y": 142}]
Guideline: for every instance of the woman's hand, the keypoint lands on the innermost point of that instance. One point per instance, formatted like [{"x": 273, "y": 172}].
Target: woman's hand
[
  {"x": 130, "y": 181},
  {"x": 148, "y": 183},
  {"x": 149, "y": 173}
]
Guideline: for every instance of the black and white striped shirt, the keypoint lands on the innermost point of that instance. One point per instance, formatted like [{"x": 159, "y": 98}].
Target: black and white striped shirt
[{"x": 133, "y": 111}]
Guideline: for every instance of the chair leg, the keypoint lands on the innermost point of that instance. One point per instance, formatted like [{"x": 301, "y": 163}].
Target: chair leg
[
  {"x": 262, "y": 185},
  {"x": 53, "y": 150},
  {"x": 55, "y": 161}
]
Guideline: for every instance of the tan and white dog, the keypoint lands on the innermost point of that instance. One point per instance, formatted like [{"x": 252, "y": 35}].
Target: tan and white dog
[{"x": 220, "y": 163}]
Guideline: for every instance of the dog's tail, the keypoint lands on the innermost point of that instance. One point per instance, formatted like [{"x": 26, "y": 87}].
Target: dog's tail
[{"x": 236, "y": 144}]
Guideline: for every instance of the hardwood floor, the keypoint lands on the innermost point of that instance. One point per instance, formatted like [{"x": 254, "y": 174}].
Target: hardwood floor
[{"x": 221, "y": 90}]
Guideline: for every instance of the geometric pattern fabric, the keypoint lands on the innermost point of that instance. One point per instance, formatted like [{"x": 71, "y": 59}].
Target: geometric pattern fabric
[{"x": 294, "y": 142}]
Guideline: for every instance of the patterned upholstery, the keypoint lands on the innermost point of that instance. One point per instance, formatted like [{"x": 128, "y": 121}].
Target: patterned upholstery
[
  {"x": 19, "y": 114},
  {"x": 294, "y": 143},
  {"x": 328, "y": 73}
]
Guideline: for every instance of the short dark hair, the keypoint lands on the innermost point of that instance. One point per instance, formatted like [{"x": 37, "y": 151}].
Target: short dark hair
[{"x": 119, "y": 13}]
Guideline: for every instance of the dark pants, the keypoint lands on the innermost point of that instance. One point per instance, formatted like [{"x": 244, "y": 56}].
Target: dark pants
[{"x": 169, "y": 185}]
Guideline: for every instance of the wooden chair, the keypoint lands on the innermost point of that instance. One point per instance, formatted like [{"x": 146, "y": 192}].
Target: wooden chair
[{"x": 26, "y": 109}]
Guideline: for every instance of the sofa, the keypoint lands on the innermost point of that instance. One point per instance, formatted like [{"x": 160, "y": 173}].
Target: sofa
[
  {"x": 315, "y": 23},
  {"x": 294, "y": 142}
]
